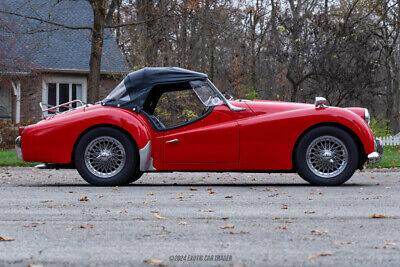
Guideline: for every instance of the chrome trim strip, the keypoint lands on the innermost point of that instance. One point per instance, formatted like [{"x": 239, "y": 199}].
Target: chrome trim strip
[
  {"x": 377, "y": 155},
  {"x": 18, "y": 149},
  {"x": 146, "y": 161}
]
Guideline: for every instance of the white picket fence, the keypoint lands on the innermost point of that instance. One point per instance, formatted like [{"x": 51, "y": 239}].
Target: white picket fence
[{"x": 390, "y": 140}]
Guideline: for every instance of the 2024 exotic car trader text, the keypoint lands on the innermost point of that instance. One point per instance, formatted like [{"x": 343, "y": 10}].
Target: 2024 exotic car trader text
[{"x": 172, "y": 119}]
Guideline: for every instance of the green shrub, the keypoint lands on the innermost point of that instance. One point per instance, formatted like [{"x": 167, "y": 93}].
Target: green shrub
[
  {"x": 380, "y": 126},
  {"x": 251, "y": 94},
  {"x": 8, "y": 133}
]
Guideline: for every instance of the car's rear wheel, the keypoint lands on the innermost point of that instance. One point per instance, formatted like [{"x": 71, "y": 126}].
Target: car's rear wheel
[
  {"x": 326, "y": 156},
  {"x": 106, "y": 156}
]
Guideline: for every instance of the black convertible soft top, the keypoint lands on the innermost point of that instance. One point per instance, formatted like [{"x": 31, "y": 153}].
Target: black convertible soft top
[{"x": 132, "y": 92}]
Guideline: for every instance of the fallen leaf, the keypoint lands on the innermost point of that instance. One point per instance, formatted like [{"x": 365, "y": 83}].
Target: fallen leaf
[
  {"x": 228, "y": 197},
  {"x": 318, "y": 232},
  {"x": 163, "y": 235},
  {"x": 85, "y": 198},
  {"x": 115, "y": 188},
  {"x": 212, "y": 192},
  {"x": 184, "y": 223},
  {"x": 236, "y": 233},
  {"x": 284, "y": 207},
  {"x": 123, "y": 211},
  {"x": 35, "y": 265},
  {"x": 145, "y": 202},
  {"x": 391, "y": 244},
  {"x": 378, "y": 216},
  {"x": 2, "y": 238},
  {"x": 159, "y": 217},
  {"x": 150, "y": 194},
  {"x": 86, "y": 226},
  {"x": 206, "y": 210},
  {"x": 282, "y": 227},
  {"x": 309, "y": 212},
  {"x": 224, "y": 218},
  {"x": 47, "y": 201},
  {"x": 229, "y": 226},
  {"x": 344, "y": 243},
  {"x": 323, "y": 254},
  {"x": 193, "y": 189}
]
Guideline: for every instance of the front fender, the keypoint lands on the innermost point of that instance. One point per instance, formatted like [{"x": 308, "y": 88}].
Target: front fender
[
  {"x": 268, "y": 140},
  {"x": 52, "y": 140}
]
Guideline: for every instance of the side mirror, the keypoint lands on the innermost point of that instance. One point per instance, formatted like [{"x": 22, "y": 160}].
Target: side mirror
[{"x": 320, "y": 102}]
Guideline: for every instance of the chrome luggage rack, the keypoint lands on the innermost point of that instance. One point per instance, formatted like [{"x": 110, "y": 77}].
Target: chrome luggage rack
[{"x": 46, "y": 108}]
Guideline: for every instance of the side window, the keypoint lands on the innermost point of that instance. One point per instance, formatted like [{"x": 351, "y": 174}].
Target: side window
[{"x": 178, "y": 107}]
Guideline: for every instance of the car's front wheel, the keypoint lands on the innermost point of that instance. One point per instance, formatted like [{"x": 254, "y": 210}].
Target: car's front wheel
[
  {"x": 326, "y": 156},
  {"x": 106, "y": 156}
]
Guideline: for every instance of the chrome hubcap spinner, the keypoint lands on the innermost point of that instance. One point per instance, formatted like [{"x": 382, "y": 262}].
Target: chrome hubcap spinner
[
  {"x": 105, "y": 157},
  {"x": 327, "y": 156}
]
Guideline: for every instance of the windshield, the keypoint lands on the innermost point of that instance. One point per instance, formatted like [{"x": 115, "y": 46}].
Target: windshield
[
  {"x": 208, "y": 96},
  {"x": 119, "y": 92}
]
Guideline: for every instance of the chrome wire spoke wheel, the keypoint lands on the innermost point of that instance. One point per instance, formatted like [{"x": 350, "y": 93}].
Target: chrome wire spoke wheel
[
  {"x": 327, "y": 156},
  {"x": 105, "y": 157}
]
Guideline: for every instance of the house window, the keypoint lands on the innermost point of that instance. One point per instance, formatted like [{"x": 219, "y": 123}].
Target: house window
[{"x": 60, "y": 93}]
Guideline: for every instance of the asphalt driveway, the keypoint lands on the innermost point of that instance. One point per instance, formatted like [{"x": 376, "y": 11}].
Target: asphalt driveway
[{"x": 54, "y": 218}]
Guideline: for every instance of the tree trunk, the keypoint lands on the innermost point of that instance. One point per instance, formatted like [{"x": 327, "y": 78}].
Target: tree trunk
[
  {"x": 389, "y": 97},
  {"x": 99, "y": 16},
  {"x": 395, "y": 121}
]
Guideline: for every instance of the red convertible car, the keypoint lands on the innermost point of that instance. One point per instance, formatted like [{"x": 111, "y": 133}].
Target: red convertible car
[{"x": 172, "y": 119}]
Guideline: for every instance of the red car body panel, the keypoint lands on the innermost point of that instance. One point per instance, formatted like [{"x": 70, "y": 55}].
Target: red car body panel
[
  {"x": 267, "y": 141},
  {"x": 52, "y": 140},
  {"x": 260, "y": 138}
]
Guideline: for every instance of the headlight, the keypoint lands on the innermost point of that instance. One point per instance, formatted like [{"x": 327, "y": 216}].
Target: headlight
[{"x": 367, "y": 117}]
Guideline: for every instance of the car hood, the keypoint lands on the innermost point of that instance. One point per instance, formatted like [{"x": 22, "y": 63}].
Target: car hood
[{"x": 263, "y": 107}]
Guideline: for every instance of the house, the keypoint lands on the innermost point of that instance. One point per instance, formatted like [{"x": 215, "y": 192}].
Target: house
[{"x": 55, "y": 60}]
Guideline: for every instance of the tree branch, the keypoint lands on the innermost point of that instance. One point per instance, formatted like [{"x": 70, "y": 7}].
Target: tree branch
[
  {"x": 47, "y": 21},
  {"x": 134, "y": 23}
]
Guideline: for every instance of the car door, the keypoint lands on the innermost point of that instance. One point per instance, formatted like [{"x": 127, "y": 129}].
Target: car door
[
  {"x": 213, "y": 139},
  {"x": 198, "y": 132}
]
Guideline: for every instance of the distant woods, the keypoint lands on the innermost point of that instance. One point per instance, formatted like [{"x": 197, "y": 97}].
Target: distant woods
[{"x": 347, "y": 51}]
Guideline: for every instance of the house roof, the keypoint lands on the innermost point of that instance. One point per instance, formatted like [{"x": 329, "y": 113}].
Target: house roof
[{"x": 55, "y": 48}]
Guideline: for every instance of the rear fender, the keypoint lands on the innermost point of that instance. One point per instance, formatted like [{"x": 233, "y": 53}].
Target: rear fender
[{"x": 53, "y": 140}]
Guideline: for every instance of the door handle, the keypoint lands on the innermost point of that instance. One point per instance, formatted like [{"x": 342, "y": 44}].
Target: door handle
[{"x": 172, "y": 141}]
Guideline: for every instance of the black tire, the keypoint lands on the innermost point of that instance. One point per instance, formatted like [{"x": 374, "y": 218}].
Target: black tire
[
  {"x": 126, "y": 169},
  {"x": 305, "y": 166},
  {"x": 136, "y": 176}
]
